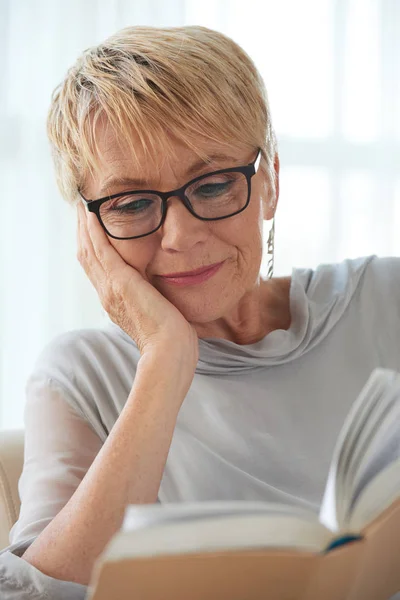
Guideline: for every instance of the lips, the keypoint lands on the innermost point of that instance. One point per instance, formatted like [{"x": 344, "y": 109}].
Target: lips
[
  {"x": 191, "y": 273},
  {"x": 200, "y": 276}
]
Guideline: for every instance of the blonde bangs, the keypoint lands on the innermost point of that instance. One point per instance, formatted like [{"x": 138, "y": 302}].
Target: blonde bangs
[{"x": 188, "y": 83}]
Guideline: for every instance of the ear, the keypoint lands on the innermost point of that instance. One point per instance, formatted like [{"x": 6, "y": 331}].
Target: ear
[{"x": 270, "y": 200}]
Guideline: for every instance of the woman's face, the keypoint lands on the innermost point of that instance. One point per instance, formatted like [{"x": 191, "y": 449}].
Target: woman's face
[{"x": 185, "y": 243}]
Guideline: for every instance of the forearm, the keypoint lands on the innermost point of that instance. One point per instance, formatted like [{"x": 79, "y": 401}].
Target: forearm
[{"x": 127, "y": 470}]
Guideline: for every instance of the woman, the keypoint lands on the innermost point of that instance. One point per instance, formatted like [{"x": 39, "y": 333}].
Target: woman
[{"x": 210, "y": 382}]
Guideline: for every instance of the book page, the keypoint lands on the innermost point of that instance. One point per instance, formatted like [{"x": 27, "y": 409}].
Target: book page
[
  {"x": 328, "y": 513},
  {"x": 378, "y": 495},
  {"x": 138, "y": 516},
  {"x": 278, "y": 530},
  {"x": 384, "y": 450},
  {"x": 363, "y": 446}
]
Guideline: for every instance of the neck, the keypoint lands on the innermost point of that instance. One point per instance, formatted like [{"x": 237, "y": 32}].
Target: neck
[{"x": 259, "y": 312}]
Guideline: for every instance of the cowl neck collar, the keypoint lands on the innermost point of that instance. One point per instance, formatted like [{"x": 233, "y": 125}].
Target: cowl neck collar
[{"x": 318, "y": 299}]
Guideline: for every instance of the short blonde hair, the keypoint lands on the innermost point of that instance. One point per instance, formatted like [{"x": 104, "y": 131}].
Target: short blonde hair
[{"x": 158, "y": 82}]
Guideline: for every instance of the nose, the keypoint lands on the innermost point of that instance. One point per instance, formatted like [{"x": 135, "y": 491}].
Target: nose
[{"x": 181, "y": 230}]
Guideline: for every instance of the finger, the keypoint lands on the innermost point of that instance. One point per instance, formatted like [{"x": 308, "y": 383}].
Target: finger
[
  {"x": 84, "y": 242},
  {"x": 86, "y": 254},
  {"x": 106, "y": 254},
  {"x": 79, "y": 216},
  {"x": 79, "y": 229},
  {"x": 84, "y": 234}
]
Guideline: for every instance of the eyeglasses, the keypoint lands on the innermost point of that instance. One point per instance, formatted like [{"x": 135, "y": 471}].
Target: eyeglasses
[{"x": 210, "y": 197}]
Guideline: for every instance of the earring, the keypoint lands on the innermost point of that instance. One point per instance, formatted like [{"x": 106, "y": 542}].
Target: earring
[{"x": 270, "y": 246}]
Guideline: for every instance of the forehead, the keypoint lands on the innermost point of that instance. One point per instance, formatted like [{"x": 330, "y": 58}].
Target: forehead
[{"x": 166, "y": 158}]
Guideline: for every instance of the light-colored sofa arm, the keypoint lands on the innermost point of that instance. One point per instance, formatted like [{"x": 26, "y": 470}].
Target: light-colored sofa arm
[{"x": 11, "y": 463}]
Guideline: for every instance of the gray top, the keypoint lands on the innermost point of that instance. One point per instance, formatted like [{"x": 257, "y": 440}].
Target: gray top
[{"x": 259, "y": 422}]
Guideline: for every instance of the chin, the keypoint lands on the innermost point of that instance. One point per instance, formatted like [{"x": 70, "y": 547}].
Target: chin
[{"x": 202, "y": 311}]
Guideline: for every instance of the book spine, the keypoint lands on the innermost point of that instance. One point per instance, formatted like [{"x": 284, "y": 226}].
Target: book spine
[{"x": 342, "y": 540}]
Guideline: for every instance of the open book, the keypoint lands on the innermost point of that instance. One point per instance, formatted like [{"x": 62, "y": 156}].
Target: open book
[{"x": 239, "y": 550}]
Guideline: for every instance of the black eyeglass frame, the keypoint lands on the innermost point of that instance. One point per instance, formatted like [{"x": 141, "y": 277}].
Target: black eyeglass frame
[{"x": 248, "y": 170}]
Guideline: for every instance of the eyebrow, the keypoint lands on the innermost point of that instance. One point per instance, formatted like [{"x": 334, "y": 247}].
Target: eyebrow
[{"x": 114, "y": 180}]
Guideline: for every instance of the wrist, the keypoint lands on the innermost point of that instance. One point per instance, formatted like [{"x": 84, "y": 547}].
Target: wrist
[{"x": 166, "y": 372}]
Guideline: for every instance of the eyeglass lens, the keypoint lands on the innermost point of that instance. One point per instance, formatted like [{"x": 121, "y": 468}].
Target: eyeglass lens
[{"x": 211, "y": 197}]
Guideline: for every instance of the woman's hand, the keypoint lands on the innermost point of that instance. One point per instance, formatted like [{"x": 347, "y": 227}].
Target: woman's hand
[{"x": 133, "y": 303}]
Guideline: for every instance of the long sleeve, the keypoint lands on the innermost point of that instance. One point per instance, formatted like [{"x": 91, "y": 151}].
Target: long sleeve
[
  {"x": 60, "y": 446},
  {"x": 20, "y": 580}
]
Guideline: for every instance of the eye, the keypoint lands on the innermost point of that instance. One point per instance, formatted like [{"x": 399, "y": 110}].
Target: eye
[
  {"x": 212, "y": 189},
  {"x": 132, "y": 206},
  {"x": 129, "y": 204}
]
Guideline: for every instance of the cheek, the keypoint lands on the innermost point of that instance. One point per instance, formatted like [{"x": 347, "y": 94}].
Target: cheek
[
  {"x": 245, "y": 230},
  {"x": 136, "y": 253},
  {"x": 248, "y": 239}
]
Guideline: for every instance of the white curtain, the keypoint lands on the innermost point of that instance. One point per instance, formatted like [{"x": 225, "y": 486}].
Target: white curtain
[{"x": 332, "y": 71}]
